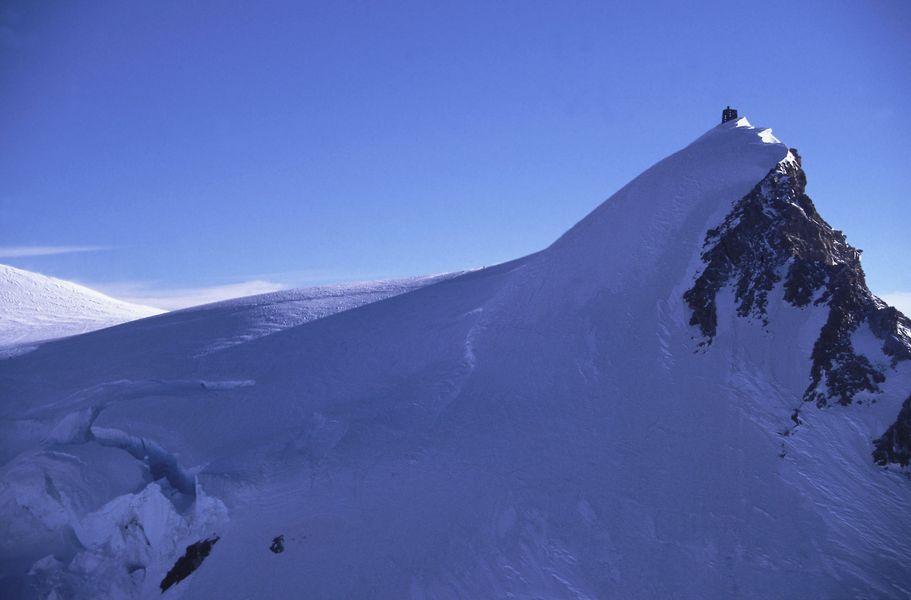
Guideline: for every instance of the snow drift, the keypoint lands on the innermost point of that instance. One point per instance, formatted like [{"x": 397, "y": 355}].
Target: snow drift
[{"x": 601, "y": 419}]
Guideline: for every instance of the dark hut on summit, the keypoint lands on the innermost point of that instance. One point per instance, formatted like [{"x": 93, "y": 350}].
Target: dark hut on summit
[{"x": 728, "y": 114}]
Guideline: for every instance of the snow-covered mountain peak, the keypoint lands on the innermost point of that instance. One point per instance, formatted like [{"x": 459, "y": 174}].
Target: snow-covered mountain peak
[
  {"x": 649, "y": 229},
  {"x": 764, "y": 134},
  {"x": 557, "y": 426}
]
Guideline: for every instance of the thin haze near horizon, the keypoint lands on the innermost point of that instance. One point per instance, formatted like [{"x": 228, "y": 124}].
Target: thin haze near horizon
[{"x": 182, "y": 151}]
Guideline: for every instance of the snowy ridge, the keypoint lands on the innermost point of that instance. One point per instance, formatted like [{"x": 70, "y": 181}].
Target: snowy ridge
[
  {"x": 35, "y": 307},
  {"x": 548, "y": 427}
]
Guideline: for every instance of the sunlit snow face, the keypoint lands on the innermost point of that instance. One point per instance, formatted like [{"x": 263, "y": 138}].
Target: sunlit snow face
[{"x": 766, "y": 136}]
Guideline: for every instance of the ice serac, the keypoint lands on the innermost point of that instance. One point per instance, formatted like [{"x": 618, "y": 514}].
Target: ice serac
[{"x": 550, "y": 427}]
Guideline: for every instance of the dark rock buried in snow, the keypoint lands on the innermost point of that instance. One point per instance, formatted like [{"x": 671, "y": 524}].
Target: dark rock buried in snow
[
  {"x": 189, "y": 562},
  {"x": 775, "y": 233},
  {"x": 887, "y": 323},
  {"x": 894, "y": 446},
  {"x": 278, "y": 544}
]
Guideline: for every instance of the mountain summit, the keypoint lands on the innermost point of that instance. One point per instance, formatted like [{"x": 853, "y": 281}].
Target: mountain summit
[{"x": 690, "y": 394}]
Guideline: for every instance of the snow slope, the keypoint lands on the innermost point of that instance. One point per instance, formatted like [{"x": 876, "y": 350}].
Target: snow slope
[
  {"x": 38, "y": 308},
  {"x": 553, "y": 427},
  {"x": 243, "y": 319},
  {"x": 34, "y": 307}
]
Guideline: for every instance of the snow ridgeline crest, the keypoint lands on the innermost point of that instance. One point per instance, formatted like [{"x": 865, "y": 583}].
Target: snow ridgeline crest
[{"x": 775, "y": 233}]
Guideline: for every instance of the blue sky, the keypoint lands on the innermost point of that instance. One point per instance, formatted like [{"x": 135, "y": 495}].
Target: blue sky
[{"x": 172, "y": 151}]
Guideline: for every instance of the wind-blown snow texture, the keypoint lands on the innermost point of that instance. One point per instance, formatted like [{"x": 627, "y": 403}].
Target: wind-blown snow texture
[
  {"x": 553, "y": 427},
  {"x": 35, "y": 307}
]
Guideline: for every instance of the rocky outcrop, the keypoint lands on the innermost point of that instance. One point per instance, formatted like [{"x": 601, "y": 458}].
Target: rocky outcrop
[
  {"x": 191, "y": 560},
  {"x": 774, "y": 234}
]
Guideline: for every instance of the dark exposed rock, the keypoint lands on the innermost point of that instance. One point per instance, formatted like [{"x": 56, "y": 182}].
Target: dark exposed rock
[
  {"x": 775, "y": 233},
  {"x": 278, "y": 544},
  {"x": 894, "y": 446},
  {"x": 887, "y": 324},
  {"x": 189, "y": 562}
]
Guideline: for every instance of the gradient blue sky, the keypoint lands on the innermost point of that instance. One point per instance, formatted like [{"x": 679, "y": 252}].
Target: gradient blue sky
[{"x": 158, "y": 150}]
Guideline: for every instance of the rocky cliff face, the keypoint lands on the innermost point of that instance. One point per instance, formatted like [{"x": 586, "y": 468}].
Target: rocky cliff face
[{"x": 774, "y": 234}]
